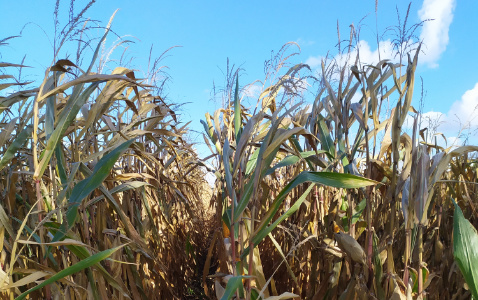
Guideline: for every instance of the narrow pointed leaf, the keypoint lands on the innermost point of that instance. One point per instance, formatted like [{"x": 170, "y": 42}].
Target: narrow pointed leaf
[
  {"x": 85, "y": 263},
  {"x": 233, "y": 284},
  {"x": 465, "y": 249},
  {"x": 338, "y": 180},
  {"x": 89, "y": 184},
  {"x": 237, "y": 111},
  {"x": 19, "y": 142}
]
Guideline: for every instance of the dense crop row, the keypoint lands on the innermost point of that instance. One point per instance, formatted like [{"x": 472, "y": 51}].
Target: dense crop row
[{"x": 103, "y": 197}]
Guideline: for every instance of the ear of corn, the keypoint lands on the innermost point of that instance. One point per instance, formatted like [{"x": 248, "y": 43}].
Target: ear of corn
[{"x": 351, "y": 247}]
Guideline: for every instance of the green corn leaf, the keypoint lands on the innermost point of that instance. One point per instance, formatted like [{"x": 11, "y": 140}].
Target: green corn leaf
[
  {"x": 290, "y": 160},
  {"x": 50, "y": 104},
  {"x": 233, "y": 284},
  {"x": 241, "y": 144},
  {"x": 378, "y": 267},
  {"x": 7, "y": 131},
  {"x": 325, "y": 138},
  {"x": 85, "y": 263},
  {"x": 83, "y": 253},
  {"x": 358, "y": 211},
  {"x": 67, "y": 115},
  {"x": 19, "y": 141},
  {"x": 130, "y": 185},
  {"x": 465, "y": 249},
  {"x": 338, "y": 180},
  {"x": 60, "y": 164},
  {"x": 208, "y": 130},
  {"x": 343, "y": 153},
  {"x": 263, "y": 231},
  {"x": 251, "y": 164},
  {"x": 89, "y": 184},
  {"x": 227, "y": 172},
  {"x": 237, "y": 111},
  {"x": 76, "y": 100}
]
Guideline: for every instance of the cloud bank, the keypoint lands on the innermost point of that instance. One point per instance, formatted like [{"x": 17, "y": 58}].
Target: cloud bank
[
  {"x": 437, "y": 16},
  {"x": 465, "y": 111},
  {"x": 434, "y": 33},
  {"x": 461, "y": 118}
]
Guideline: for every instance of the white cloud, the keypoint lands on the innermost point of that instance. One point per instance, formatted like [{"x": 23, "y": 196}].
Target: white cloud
[
  {"x": 314, "y": 62},
  {"x": 462, "y": 118},
  {"x": 465, "y": 111},
  {"x": 435, "y": 33},
  {"x": 432, "y": 115},
  {"x": 429, "y": 119},
  {"x": 367, "y": 55},
  {"x": 433, "y": 119}
]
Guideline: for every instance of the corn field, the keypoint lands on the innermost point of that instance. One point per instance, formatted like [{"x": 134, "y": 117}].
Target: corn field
[{"x": 104, "y": 196}]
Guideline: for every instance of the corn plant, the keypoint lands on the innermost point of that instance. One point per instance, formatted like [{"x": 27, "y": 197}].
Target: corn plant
[
  {"x": 100, "y": 188},
  {"x": 103, "y": 196},
  {"x": 287, "y": 173}
]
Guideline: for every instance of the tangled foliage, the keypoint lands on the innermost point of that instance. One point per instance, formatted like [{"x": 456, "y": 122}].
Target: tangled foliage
[{"x": 103, "y": 197}]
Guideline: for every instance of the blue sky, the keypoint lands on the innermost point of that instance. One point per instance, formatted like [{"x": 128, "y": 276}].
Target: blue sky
[{"x": 246, "y": 32}]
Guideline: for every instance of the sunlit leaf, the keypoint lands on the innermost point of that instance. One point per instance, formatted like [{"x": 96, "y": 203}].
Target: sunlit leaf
[
  {"x": 465, "y": 249},
  {"x": 85, "y": 263}
]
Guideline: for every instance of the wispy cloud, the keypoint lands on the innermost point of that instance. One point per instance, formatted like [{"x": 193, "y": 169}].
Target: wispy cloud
[
  {"x": 304, "y": 42},
  {"x": 435, "y": 33}
]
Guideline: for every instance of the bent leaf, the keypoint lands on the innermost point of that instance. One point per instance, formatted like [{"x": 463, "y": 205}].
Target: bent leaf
[
  {"x": 85, "y": 263},
  {"x": 233, "y": 284},
  {"x": 337, "y": 180},
  {"x": 465, "y": 249},
  {"x": 15, "y": 146},
  {"x": 89, "y": 184}
]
